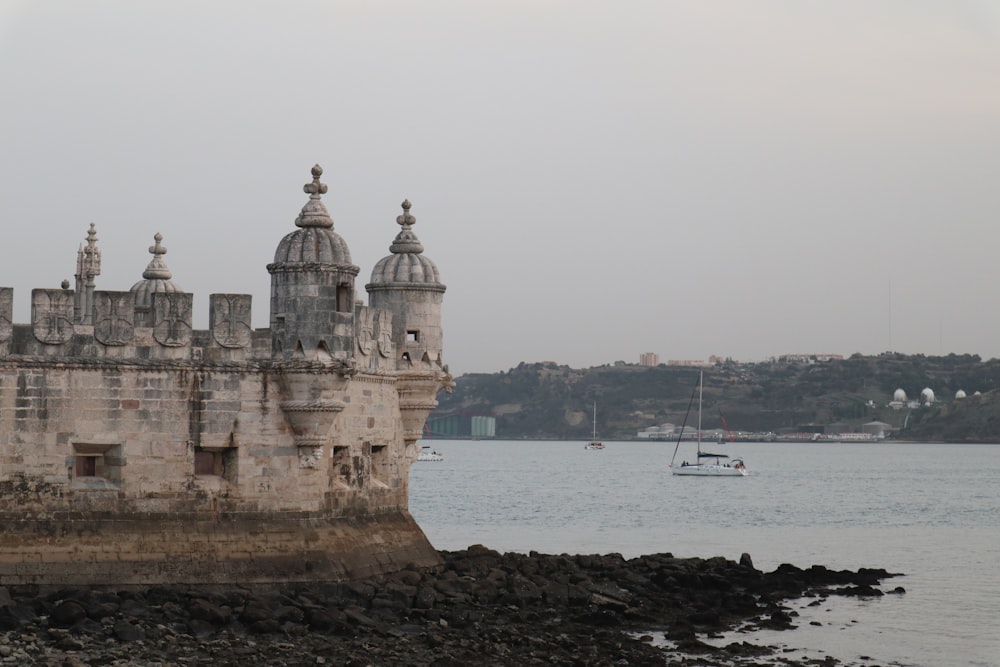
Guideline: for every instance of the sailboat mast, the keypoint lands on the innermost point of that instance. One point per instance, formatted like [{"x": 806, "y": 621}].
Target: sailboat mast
[
  {"x": 595, "y": 421},
  {"x": 701, "y": 384},
  {"x": 684, "y": 424}
]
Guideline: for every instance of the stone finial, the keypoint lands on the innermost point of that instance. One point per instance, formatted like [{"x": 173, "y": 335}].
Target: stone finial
[
  {"x": 157, "y": 269},
  {"x": 65, "y": 284},
  {"x": 91, "y": 237},
  {"x": 315, "y": 189},
  {"x": 406, "y": 220},
  {"x": 88, "y": 258},
  {"x": 314, "y": 213},
  {"x": 406, "y": 241}
]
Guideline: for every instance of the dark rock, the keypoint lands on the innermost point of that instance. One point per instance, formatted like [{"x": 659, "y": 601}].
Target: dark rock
[
  {"x": 199, "y": 629},
  {"x": 863, "y": 591},
  {"x": 479, "y": 607},
  {"x": 134, "y": 608},
  {"x": 67, "y": 613},
  {"x": 424, "y": 598},
  {"x": 127, "y": 632},
  {"x": 266, "y": 626},
  {"x": 326, "y": 620},
  {"x": 8, "y": 621},
  {"x": 207, "y": 611}
]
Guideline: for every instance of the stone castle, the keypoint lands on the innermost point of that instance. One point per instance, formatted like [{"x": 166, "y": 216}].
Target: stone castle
[{"x": 136, "y": 450}]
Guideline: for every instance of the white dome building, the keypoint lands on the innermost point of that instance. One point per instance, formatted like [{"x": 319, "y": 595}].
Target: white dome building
[
  {"x": 927, "y": 395},
  {"x": 959, "y": 394},
  {"x": 899, "y": 396}
]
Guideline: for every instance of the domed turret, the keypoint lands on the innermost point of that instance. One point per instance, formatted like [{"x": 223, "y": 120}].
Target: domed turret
[
  {"x": 156, "y": 278},
  {"x": 312, "y": 285},
  {"x": 408, "y": 284}
]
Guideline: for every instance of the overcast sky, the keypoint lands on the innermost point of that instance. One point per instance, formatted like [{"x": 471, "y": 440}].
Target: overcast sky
[{"x": 593, "y": 179}]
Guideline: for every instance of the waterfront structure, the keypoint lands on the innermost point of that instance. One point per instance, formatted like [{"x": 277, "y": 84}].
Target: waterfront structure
[{"x": 136, "y": 450}]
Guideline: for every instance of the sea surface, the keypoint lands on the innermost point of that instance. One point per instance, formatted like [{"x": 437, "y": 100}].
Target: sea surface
[{"x": 929, "y": 511}]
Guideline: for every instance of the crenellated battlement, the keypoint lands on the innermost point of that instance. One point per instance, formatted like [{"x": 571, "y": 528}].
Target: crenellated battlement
[{"x": 294, "y": 441}]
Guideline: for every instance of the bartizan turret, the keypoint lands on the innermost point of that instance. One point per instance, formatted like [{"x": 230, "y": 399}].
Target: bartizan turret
[
  {"x": 312, "y": 286},
  {"x": 407, "y": 284}
]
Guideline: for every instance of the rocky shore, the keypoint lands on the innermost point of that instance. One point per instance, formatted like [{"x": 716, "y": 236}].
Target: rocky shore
[{"x": 481, "y": 608}]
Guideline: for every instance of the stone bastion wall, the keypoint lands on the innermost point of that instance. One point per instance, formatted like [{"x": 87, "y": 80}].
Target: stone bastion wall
[{"x": 204, "y": 467}]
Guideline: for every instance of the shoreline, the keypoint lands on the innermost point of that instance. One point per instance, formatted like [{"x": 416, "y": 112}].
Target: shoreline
[{"x": 480, "y": 607}]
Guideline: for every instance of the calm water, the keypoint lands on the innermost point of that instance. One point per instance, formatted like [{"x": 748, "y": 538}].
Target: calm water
[{"x": 931, "y": 512}]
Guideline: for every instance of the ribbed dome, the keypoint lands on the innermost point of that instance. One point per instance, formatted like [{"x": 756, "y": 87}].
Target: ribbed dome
[
  {"x": 406, "y": 264},
  {"x": 156, "y": 277},
  {"x": 313, "y": 244},
  {"x": 314, "y": 241},
  {"x": 405, "y": 269}
]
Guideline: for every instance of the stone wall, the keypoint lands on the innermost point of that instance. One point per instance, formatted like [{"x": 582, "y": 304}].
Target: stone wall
[{"x": 84, "y": 548}]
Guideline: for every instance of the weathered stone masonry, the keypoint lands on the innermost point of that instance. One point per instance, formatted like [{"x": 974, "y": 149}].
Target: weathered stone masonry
[{"x": 137, "y": 450}]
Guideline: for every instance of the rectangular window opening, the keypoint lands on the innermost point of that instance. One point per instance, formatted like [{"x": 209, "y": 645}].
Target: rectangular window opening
[
  {"x": 345, "y": 302},
  {"x": 96, "y": 465},
  {"x": 412, "y": 336},
  {"x": 216, "y": 462},
  {"x": 86, "y": 466},
  {"x": 206, "y": 462}
]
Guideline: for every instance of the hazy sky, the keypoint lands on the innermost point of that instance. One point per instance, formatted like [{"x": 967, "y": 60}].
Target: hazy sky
[{"x": 593, "y": 179}]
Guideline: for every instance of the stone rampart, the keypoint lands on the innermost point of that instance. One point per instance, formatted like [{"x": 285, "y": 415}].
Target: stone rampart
[{"x": 137, "y": 450}]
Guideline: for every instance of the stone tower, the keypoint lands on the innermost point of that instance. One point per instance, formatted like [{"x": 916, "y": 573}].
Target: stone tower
[
  {"x": 312, "y": 286},
  {"x": 407, "y": 284}
]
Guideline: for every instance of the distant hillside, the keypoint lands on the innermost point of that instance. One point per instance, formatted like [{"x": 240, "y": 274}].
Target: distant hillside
[{"x": 549, "y": 401}]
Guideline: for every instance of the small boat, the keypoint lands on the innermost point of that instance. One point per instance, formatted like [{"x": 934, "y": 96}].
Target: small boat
[
  {"x": 594, "y": 442},
  {"x": 428, "y": 454},
  {"x": 704, "y": 465}
]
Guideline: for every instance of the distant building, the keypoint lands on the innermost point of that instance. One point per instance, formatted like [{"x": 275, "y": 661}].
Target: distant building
[
  {"x": 649, "y": 359},
  {"x": 656, "y": 432},
  {"x": 461, "y": 426},
  {"x": 810, "y": 358}
]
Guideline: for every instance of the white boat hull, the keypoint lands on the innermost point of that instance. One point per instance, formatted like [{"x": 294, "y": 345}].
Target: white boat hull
[{"x": 709, "y": 470}]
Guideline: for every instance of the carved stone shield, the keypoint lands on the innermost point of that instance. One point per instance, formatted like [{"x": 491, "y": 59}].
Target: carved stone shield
[
  {"x": 229, "y": 319},
  {"x": 172, "y": 318},
  {"x": 52, "y": 315},
  {"x": 385, "y": 333},
  {"x": 366, "y": 331},
  {"x": 114, "y": 317}
]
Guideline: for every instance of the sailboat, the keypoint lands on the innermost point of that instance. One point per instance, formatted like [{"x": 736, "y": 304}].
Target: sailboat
[
  {"x": 594, "y": 442},
  {"x": 704, "y": 465}
]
